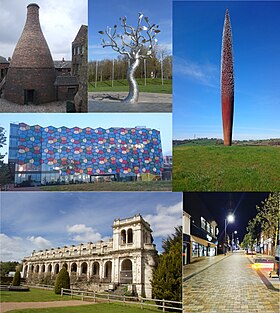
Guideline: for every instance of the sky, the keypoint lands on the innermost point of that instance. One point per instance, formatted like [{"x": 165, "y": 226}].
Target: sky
[
  {"x": 197, "y": 38},
  {"x": 41, "y": 220},
  {"x": 60, "y": 22},
  {"x": 159, "y": 121},
  {"x": 107, "y": 13},
  {"x": 241, "y": 204}
]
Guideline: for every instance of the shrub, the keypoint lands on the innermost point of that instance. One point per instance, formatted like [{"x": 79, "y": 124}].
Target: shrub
[
  {"x": 62, "y": 281},
  {"x": 16, "y": 279}
]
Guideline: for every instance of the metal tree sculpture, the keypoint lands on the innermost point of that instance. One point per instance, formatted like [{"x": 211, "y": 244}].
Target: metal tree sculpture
[
  {"x": 136, "y": 43},
  {"x": 227, "y": 81}
]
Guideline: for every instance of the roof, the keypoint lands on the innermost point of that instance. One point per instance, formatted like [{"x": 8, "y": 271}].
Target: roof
[
  {"x": 81, "y": 37},
  {"x": 3, "y": 60},
  {"x": 66, "y": 81},
  {"x": 62, "y": 64}
]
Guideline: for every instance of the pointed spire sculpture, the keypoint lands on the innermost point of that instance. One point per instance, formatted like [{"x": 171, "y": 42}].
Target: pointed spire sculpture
[{"x": 227, "y": 81}]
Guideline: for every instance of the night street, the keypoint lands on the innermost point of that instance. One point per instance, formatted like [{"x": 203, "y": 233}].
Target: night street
[{"x": 231, "y": 285}]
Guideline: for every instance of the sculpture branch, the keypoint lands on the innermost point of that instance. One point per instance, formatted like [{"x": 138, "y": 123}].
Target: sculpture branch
[{"x": 131, "y": 43}]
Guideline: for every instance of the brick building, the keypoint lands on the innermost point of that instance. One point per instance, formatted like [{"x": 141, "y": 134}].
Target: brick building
[
  {"x": 4, "y": 65},
  {"x": 31, "y": 74},
  {"x": 79, "y": 67}
]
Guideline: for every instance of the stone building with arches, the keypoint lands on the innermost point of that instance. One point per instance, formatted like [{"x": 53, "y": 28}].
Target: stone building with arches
[{"x": 127, "y": 259}]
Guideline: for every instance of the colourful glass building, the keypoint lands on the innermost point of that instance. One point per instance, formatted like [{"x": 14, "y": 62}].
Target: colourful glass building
[{"x": 49, "y": 155}]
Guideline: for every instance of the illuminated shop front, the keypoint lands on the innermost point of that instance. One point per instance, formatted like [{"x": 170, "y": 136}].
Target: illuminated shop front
[{"x": 50, "y": 155}]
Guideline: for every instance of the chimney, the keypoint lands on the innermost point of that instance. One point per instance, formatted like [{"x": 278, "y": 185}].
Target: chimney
[{"x": 31, "y": 75}]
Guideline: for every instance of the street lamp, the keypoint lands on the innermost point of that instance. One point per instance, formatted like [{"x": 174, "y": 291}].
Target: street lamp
[
  {"x": 229, "y": 219},
  {"x": 232, "y": 240}
]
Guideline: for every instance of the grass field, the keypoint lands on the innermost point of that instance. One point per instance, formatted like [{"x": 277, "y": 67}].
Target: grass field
[
  {"x": 34, "y": 295},
  {"x": 219, "y": 168},
  {"x": 153, "y": 85},
  {"x": 93, "y": 308},
  {"x": 114, "y": 186}
]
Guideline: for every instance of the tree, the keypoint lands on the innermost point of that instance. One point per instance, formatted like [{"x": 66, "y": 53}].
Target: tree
[
  {"x": 16, "y": 279},
  {"x": 135, "y": 43},
  {"x": 5, "y": 175},
  {"x": 62, "y": 280},
  {"x": 269, "y": 216},
  {"x": 266, "y": 221},
  {"x": 167, "y": 277},
  {"x": 6, "y": 267}
]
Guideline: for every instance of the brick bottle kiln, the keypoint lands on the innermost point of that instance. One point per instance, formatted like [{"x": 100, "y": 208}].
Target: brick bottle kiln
[{"x": 31, "y": 74}]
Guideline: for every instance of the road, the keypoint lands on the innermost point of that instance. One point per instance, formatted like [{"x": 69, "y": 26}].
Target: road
[{"x": 230, "y": 286}]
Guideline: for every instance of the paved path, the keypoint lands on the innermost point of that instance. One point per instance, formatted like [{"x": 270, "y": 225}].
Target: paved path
[
  {"x": 53, "y": 107},
  {"x": 9, "y": 306},
  {"x": 111, "y": 102},
  {"x": 200, "y": 265},
  {"x": 229, "y": 286}
]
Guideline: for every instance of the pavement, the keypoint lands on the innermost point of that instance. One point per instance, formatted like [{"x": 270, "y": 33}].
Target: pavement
[
  {"x": 11, "y": 107},
  {"x": 112, "y": 102},
  {"x": 200, "y": 265},
  {"x": 229, "y": 285},
  {"x": 10, "y": 306}
]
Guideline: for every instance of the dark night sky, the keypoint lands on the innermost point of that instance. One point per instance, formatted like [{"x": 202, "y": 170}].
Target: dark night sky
[{"x": 241, "y": 204}]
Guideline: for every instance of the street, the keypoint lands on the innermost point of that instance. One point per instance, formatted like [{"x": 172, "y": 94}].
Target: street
[{"x": 231, "y": 285}]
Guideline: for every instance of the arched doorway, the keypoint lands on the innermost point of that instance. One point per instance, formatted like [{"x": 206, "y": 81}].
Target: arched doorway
[
  {"x": 49, "y": 268},
  {"x": 25, "y": 271},
  {"x": 123, "y": 236},
  {"x": 108, "y": 272},
  {"x": 84, "y": 267},
  {"x": 43, "y": 268},
  {"x": 37, "y": 269},
  {"x": 129, "y": 236},
  {"x": 56, "y": 268},
  {"x": 126, "y": 272},
  {"x": 95, "y": 269},
  {"x": 74, "y": 268}
]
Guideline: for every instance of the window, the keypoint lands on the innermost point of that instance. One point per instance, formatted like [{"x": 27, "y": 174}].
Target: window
[{"x": 203, "y": 223}]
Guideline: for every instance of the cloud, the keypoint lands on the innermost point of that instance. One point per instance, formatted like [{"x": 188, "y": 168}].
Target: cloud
[
  {"x": 165, "y": 219},
  {"x": 14, "y": 248},
  {"x": 203, "y": 73},
  {"x": 60, "y": 22},
  {"x": 83, "y": 233},
  {"x": 40, "y": 242}
]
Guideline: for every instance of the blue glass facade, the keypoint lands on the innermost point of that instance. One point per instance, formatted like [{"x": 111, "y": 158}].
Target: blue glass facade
[{"x": 50, "y": 154}]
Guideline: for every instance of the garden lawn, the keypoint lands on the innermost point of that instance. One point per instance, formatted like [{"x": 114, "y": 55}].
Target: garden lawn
[
  {"x": 220, "y": 168},
  {"x": 153, "y": 85},
  {"x": 34, "y": 295},
  {"x": 114, "y": 186},
  {"x": 98, "y": 308}
]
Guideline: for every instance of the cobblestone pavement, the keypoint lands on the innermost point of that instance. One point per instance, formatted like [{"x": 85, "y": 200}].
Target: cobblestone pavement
[
  {"x": 53, "y": 107},
  {"x": 201, "y": 264},
  {"x": 229, "y": 286},
  {"x": 111, "y": 102}
]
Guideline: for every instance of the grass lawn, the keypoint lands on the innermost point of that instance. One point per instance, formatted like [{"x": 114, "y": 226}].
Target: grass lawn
[
  {"x": 98, "y": 308},
  {"x": 34, "y": 295},
  {"x": 114, "y": 186},
  {"x": 219, "y": 168},
  {"x": 153, "y": 85}
]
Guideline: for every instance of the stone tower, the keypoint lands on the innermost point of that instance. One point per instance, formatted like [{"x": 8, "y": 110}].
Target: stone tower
[{"x": 31, "y": 74}]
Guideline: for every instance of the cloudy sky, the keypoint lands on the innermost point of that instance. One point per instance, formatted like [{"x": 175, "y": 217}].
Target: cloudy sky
[
  {"x": 103, "y": 14},
  {"x": 197, "y": 30},
  {"x": 41, "y": 220},
  {"x": 159, "y": 121},
  {"x": 60, "y": 23}
]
